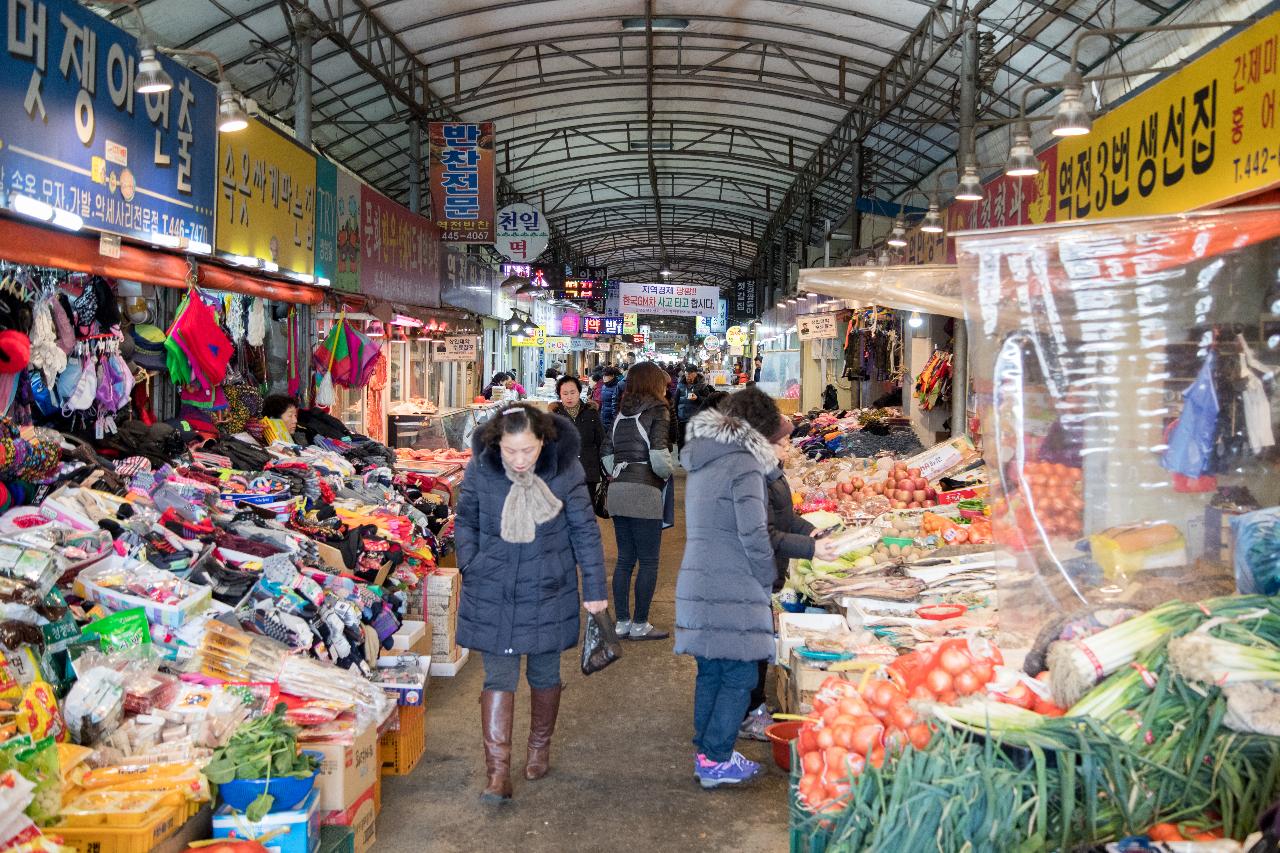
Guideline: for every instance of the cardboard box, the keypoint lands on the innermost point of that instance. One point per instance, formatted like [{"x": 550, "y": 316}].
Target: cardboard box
[
  {"x": 337, "y": 839},
  {"x": 347, "y": 771},
  {"x": 806, "y": 676},
  {"x": 782, "y": 688},
  {"x": 302, "y": 825},
  {"x": 361, "y": 816},
  {"x": 444, "y": 586}
]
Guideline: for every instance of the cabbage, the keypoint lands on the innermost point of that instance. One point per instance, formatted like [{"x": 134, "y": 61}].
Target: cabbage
[{"x": 822, "y": 519}]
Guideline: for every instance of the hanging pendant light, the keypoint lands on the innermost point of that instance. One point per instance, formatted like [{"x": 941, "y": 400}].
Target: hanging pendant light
[
  {"x": 898, "y": 237},
  {"x": 1022, "y": 157},
  {"x": 1071, "y": 119}
]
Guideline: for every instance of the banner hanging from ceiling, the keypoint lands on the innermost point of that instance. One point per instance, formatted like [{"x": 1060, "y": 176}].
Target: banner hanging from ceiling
[
  {"x": 670, "y": 300},
  {"x": 347, "y": 202},
  {"x": 462, "y": 181},
  {"x": 78, "y": 137}
]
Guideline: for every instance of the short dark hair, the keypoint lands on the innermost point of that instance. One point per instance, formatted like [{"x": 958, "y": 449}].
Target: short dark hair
[
  {"x": 515, "y": 419},
  {"x": 756, "y": 408},
  {"x": 568, "y": 380},
  {"x": 275, "y": 405},
  {"x": 498, "y": 377},
  {"x": 551, "y": 373},
  {"x": 612, "y": 371},
  {"x": 715, "y": 400}
]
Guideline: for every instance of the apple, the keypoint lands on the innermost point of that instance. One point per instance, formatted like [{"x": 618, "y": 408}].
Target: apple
[
  {"x": 913, "y": 505},
  {"x": 914, "y": 472},
  {"x": 918, "y": 496},
  {"x": 930, "y": 503},
  {"x": 931, "y": 493}
]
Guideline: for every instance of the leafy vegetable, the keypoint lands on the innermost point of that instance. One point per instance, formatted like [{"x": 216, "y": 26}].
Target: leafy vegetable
[{"x": 263, "y": 748}]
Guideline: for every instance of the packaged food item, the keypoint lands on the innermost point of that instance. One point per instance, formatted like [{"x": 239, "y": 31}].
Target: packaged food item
[
  {"x": 122, "y": 630},
  {"x": 36, "y": 761},
  {"x": 94, "y": 708}
]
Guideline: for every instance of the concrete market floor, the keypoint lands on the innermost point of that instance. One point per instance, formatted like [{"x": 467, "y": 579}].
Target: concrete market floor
[{"x": 622, "y": 765}]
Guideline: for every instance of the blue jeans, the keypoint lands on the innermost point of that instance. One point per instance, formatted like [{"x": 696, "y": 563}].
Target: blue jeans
[
  {"x": 720, "y": 698},
  {"x": 502, "y": 672},
  {"x": 638, "y": 539}
]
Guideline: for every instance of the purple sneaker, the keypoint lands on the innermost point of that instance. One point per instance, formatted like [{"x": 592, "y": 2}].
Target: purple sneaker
[{"x": 735, "y": 771}]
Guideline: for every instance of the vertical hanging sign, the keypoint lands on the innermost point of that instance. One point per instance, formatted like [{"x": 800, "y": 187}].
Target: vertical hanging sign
[
  {"x": 347, "y": 203},
  {"x": 462, "y": 181},
  {"x": 77, "y": 136},
  {"x": 326, "y": 222}
]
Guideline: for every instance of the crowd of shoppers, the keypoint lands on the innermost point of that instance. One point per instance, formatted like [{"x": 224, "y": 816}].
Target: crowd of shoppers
[{"x": 526, "y": 525}]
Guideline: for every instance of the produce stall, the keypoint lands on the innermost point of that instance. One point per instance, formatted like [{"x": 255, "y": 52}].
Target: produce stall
[{"x": 1100, "y": 671}]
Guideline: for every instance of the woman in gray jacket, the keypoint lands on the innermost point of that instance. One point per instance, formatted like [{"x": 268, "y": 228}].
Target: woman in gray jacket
[
  {"x": 637, "y": 457},
  {"x": 723, "y": 614}
]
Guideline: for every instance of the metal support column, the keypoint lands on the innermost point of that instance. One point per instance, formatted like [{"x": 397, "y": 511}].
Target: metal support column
[
  {"x": 855, "y": 215},
  {"x": 968, "y": 115},
  {"x": 415, "y": 166},
  {"x": 304, "y": 30}
]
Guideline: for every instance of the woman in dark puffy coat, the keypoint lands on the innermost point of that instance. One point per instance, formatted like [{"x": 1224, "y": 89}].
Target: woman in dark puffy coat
[
  {"x": 524, "y": 526},
  {"x": 724, "y": 616}
]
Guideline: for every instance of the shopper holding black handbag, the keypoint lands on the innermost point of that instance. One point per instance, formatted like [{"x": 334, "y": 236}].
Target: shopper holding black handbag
[
  {"x": 586, "y": 417},
  {"x": 524, "y": 527}
]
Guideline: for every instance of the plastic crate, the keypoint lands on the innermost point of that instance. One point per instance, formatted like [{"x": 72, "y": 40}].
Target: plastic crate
[
  {"x": 110, "y": 839},
  {"x": 402, "y": 749}
]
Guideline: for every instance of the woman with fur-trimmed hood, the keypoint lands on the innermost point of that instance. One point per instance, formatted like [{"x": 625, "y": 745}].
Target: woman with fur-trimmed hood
[
  {"x": 723, "y": 614},
  {"x": 524, "y": 527}
]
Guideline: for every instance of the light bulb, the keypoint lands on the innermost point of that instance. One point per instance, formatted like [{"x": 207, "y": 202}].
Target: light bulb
[{"x": 915, "y": 321}]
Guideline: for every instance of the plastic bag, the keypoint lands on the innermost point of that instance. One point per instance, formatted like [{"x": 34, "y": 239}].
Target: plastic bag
[
  {"x": 1257, "y": 551},
  {"x": 600, "y": 646}
]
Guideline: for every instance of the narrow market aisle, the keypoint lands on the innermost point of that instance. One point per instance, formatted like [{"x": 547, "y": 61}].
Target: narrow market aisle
[{"x": 622, "y": 766}]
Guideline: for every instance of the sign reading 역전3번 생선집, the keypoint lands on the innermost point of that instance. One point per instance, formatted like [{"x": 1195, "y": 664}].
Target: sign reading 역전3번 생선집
[
  {"x": 77, "y": 136},
  {"x": 1201, "y": 136},
  {"x": 671, "y": 300},
  {"x": 266, "y": 198},
  {"x": 462, "y": 180}
]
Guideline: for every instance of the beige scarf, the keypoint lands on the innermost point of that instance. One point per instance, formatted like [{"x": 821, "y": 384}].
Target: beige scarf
[{"x": 529, "y": 503}]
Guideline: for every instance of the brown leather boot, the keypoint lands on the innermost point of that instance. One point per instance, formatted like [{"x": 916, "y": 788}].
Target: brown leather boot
[
  {"x": 543, "y": 708},
  {"x": 496, "y": 711}
]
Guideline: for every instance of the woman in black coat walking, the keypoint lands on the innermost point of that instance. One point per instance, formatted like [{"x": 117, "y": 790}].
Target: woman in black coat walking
[
  {"x": 524, "y": 526},
  {"x": 586, "y": 417}
]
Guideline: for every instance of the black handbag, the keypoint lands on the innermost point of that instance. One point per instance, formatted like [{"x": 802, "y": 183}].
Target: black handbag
[
  {"x": 600, "y": 645},
  {"x": 600, "y": 497}
]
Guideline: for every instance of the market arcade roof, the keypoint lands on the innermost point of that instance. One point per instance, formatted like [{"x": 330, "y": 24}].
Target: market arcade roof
[{"x": 675, "y": 147}]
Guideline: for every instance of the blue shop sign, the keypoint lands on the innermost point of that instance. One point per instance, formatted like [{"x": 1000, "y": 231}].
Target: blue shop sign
[{"x": 78, "y": 137}]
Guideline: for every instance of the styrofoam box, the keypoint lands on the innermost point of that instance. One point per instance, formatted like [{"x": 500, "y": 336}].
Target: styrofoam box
[
  {"x": 792, "y": 625},
  {"x": 448, "y": 669}
]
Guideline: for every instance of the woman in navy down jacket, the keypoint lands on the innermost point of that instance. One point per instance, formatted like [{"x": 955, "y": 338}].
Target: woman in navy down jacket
[{"x": 524, "y": 527}]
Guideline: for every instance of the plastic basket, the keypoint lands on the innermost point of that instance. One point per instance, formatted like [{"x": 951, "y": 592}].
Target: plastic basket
[
  {"x": 402, "y": 749},
  {"x": 112, "y": 839}
]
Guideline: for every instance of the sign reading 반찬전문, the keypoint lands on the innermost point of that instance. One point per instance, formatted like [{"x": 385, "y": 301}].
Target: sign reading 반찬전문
[
  {"x": 78, "y": 137},
  {"x": 671, "y": 300},
  {"x": 462, "y": 181}
]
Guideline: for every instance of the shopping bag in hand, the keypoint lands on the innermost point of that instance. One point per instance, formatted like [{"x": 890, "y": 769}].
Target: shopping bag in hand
[{"x": 600, "y": 646}]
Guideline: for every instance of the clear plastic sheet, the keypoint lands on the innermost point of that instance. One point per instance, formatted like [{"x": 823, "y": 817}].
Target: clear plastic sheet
[
  {"x": 1124, "y": 376},
  {"x": 931, "y": 289}
]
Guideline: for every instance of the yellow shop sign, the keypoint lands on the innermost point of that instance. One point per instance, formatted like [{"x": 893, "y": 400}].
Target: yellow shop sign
[{"x": 1204, "y": 135}]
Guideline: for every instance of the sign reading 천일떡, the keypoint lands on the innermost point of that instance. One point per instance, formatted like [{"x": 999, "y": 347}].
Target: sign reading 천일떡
[
  {"x": 78, "y": 137},
  {"x": 522, "y": 233},
  {"x": 462, "y": 181}
]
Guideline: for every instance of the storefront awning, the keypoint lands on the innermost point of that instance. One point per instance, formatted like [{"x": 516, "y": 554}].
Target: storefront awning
[
  {"x": 931, "y": 289},
  {"x": 31, "y": 244}
]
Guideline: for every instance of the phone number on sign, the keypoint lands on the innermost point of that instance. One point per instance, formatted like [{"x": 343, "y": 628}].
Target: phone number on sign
[
  {"x": 454, "y": 236},
  {"x": 1256, "y": 163}
]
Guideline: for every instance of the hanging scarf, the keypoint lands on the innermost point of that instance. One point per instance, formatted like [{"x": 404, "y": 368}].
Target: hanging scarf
[
  {"x": 572, "y": 413},
  {"x": 529, "y": 503}
]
